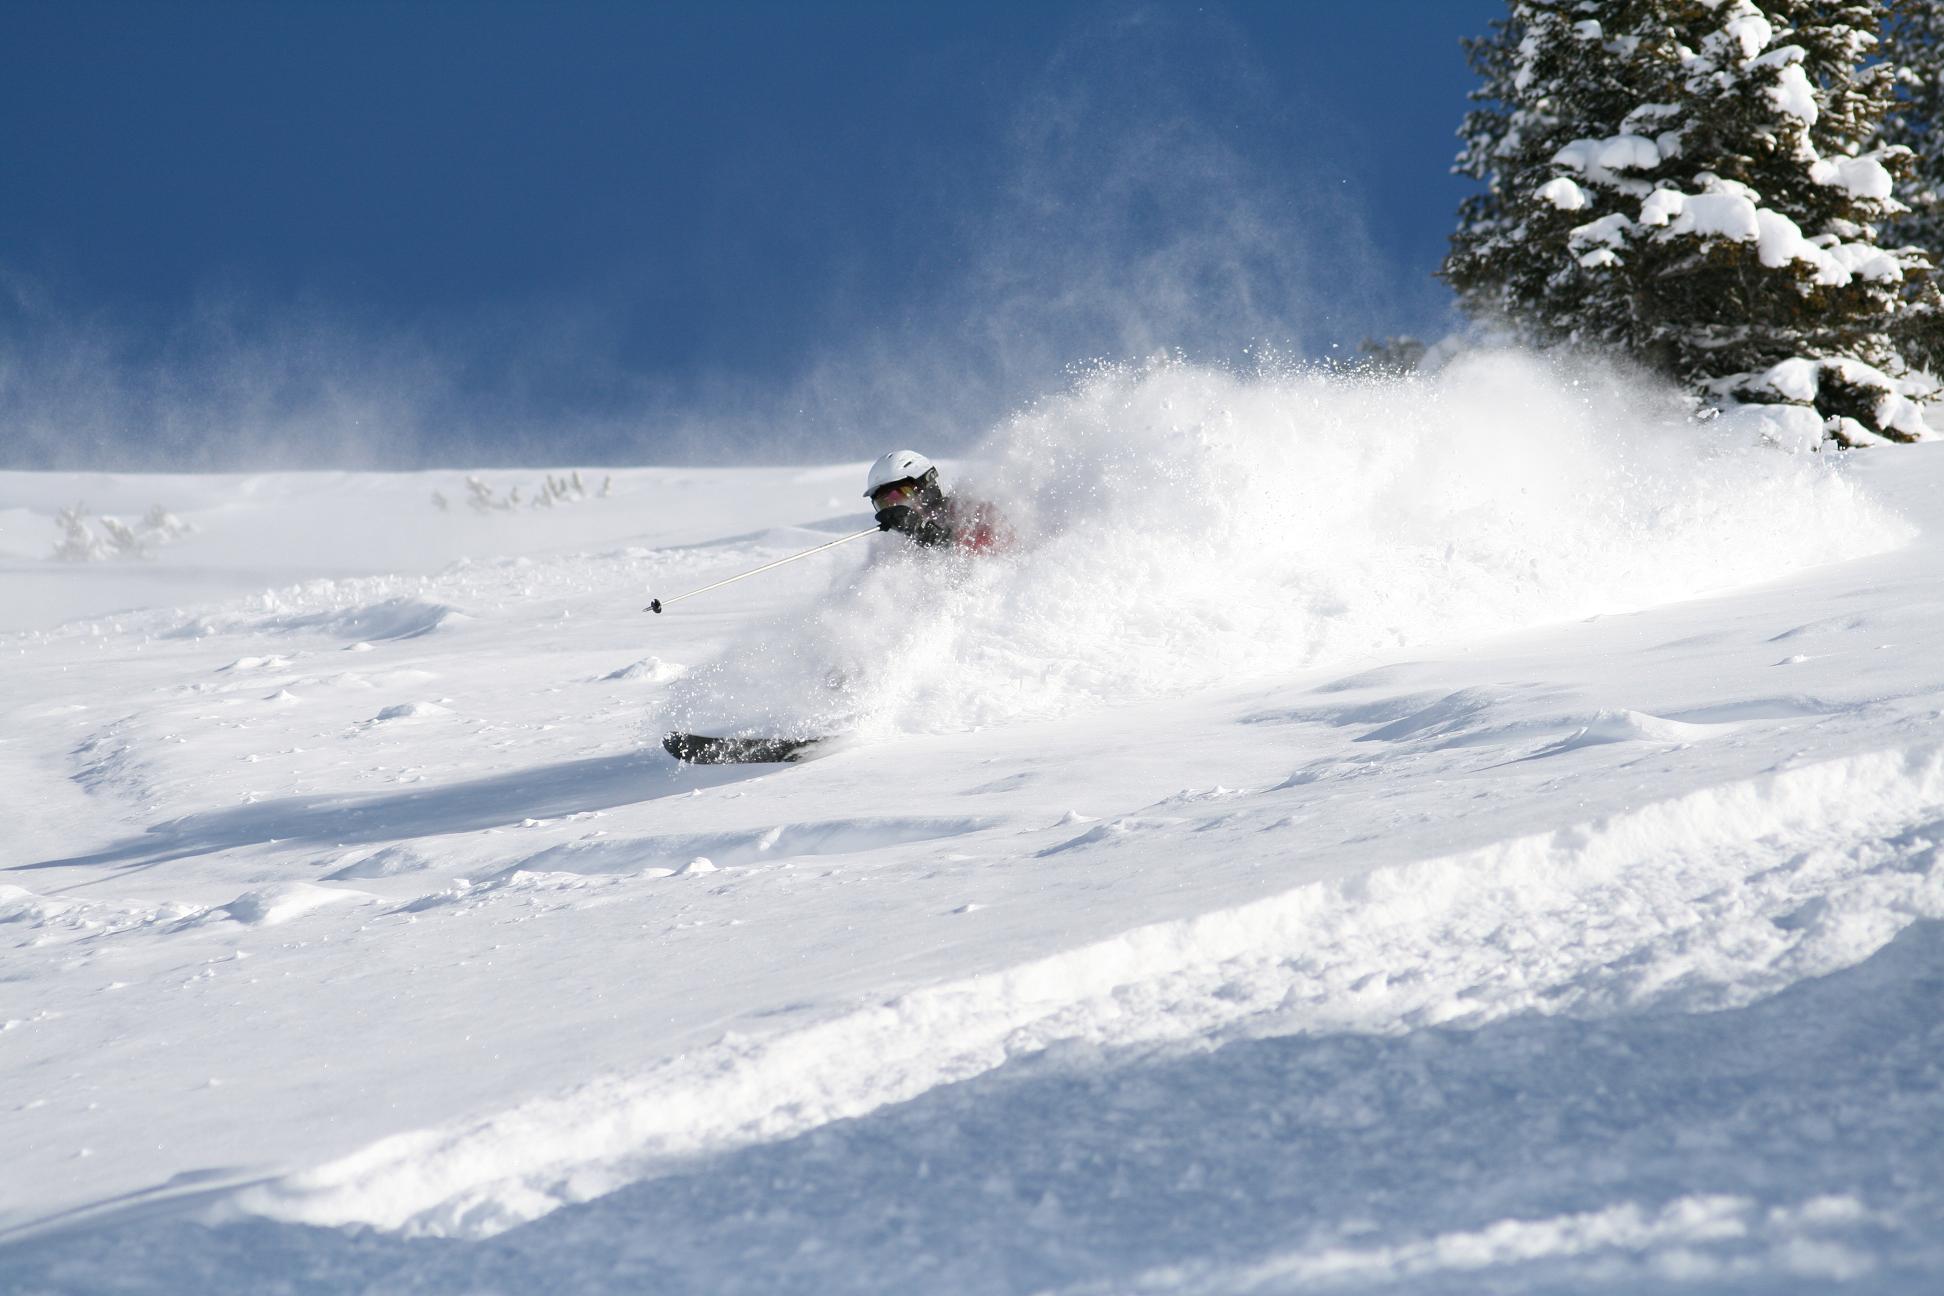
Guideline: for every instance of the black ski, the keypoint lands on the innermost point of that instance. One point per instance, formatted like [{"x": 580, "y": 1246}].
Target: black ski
[{"x": 701, "y": 749}]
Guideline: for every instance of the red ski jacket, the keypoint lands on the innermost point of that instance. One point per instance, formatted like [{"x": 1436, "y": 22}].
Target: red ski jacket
[{"x": 977, "y": 527}]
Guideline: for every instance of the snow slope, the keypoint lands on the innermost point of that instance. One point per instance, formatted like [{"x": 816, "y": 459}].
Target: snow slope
[{"x": 1456, "y": 835}]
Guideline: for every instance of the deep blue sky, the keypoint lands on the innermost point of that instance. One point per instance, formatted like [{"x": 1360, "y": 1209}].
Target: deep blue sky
[{"x": 427, "y": 232}]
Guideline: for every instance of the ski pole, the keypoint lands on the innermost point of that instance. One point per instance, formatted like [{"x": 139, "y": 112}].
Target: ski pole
[{"x": 656, "y": 605}]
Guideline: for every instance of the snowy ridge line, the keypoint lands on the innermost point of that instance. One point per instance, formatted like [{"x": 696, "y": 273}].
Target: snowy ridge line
[{"x": 1704, "y": 901}]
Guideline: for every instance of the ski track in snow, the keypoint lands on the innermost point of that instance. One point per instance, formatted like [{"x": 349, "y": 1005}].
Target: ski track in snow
[
  {"x": 1400, "y": 1056},
  {"x": 357, "y": 937}
]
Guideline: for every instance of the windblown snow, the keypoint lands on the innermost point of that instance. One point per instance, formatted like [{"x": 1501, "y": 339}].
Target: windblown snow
[{"x": 1469, "y": 832}]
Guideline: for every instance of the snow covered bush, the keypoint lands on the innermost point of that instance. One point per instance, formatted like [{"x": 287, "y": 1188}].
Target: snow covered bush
[
  {"x": 1698, "y": 185},
  {"x": 79, "y": 543},
  {"x": 552, "y": 491}
]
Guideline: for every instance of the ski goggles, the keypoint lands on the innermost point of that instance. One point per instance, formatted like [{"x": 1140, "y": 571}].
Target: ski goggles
[{"x": 896, "y": 493}]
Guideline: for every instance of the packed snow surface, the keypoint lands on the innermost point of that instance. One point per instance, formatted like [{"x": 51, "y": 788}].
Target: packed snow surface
[{"x": 1452, "y": 834}]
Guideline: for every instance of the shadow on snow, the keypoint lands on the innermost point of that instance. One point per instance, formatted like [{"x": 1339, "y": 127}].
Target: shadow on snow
[
  {"x": 1183, "y": 1169},
  {"x": 542, "y": 792}
]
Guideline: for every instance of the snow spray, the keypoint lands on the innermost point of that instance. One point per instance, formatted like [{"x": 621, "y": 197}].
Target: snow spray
[{"x": 1183, "y": 525}]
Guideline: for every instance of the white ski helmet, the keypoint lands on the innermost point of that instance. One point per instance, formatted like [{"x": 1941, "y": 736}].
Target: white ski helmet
[{"x": 899, "y": 465}]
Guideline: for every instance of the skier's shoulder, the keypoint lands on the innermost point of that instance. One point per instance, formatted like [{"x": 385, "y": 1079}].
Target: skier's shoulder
[{"x": 980, "y": 526}]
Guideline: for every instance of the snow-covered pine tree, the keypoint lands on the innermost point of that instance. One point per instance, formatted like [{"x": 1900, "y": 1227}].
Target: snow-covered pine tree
[
  {"x": 1697, "y": 184},
  {"x": 1913, "y": 42},
  {"x": 1539, "y": 92}
]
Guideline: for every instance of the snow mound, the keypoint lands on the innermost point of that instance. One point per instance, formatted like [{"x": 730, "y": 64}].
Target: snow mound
[
  {"x": 411, "y": 711},
  {"x": 1475, "y": 717},
  {"x": 254, "y": 664},
  {"x": 360, "y": 681},
  {"x": 19, "y": 905},
  {"x": 1796, "y": 428},
  {"x": 1183, "y": 526},
  {"x": 392, "y": 861},
  {"x": 273, "y": 905},
  {"x": 743, "y": 846},
  {"x": 651, "y": 669},
  {"x": 389, "y": 619},
  {"x": 1634, "y": 726},
  {"x": 397, "y": 618}
]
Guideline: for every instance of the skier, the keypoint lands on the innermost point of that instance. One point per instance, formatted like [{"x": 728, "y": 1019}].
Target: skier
[
  {"x": 903, "y": 488},
  {"x": 904, "y": 492}
]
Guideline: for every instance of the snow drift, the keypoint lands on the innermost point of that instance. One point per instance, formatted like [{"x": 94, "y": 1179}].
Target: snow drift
[{"x": 1182, "y": 525}]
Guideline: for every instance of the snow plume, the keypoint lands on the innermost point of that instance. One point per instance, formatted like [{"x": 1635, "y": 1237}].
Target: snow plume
[
  {"x": 1182, "y": 526},
  {"x": 234, "y": 381},
  {"x": 1148, "y": 193},
  {"x": 242, "y": 379}
]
